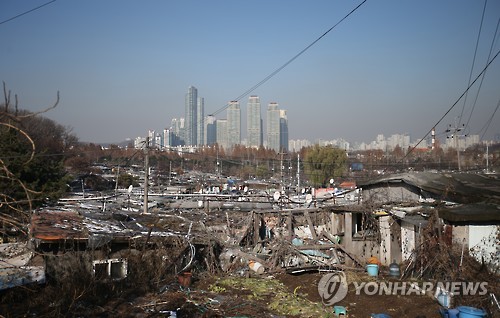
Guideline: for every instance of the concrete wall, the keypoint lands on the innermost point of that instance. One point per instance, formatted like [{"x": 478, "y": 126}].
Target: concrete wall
[
  {"x": 484, "y": 244},
  {"x": 363, "y": 249},
  {"x": 390, "y": 245}
]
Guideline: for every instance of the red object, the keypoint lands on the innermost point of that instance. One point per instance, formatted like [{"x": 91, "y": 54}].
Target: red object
[{"x": 184, "y": 279}]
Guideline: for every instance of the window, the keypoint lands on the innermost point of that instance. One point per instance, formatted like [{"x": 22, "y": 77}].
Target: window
[{"x": 110, "y": 268}]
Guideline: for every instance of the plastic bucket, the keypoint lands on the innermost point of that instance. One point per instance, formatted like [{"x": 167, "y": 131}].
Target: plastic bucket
[
  {"x": 372, "y": 269},
  {"x": 470, "y": 312},
  {"x": 256, "y": 267},
  {"x": 340, "y": 310}
]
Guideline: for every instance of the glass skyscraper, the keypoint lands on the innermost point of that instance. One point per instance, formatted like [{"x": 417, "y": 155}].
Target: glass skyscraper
[
  {"x": 283, "y": 131},
  {"x": 191, "y": 118},
  {"x": 200, "y": 124},
  {"x": 210, "y": 130}
]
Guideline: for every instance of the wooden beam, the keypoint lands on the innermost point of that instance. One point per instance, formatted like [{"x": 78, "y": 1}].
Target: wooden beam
[
  {"x": 290, "y": 225},
  {"x": 256, "y": 228},
  {"x": 340, "y": 247},
  {"x": 311, "y": 225}
]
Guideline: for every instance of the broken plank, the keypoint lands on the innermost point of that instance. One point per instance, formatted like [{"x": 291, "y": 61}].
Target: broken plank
[
  {"x": 311, "y": 225},
  {"x": 315, "y": 247},
  {"x": 340, "y": 247}
]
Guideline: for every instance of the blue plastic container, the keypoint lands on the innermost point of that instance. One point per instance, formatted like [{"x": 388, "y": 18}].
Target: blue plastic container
[
  {"x": 452, "y": 313},
  {"x": 448, "y": 313},
  {"x": 444, "y": 299},
  {"x": 372, "y": 269},
  {"x": 470, "y": 312},
  {"x": 340, "y": 310}
]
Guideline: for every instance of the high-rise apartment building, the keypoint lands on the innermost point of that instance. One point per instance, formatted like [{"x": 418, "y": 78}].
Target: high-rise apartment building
[
  {"x": 167, "y": 138},
  {"x": 273, "y": 126},
  {"x": 210, "y": 130},
  {"x": 254, "y": 122},
  {"x": 191, "y": 119},
  {"x": 200, "y": 125},
  {"x": 151, "y": 138},
  {"x": 283, "y": 131},
  {"x": 221, "y": 128},
  {"x": 178, "y": 132},
  {"x": 233, "y": 124}
]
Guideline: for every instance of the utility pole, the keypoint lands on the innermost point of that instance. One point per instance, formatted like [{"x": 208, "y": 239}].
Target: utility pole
[
  {"x": 217, "y": 163},
  {"x": 487, "y": 159},
  {"x": 456, "y": 136},
  {"x": 170, "y": 173},
  {"x": 298, "y": 172},
  {"x": 116, "y": 182},
  {"x": 146, "y": 175},
  {"x": 281, "y": 169}
]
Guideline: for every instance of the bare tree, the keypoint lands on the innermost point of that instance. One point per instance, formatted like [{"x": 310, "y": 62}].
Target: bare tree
[{"x": 17, "y": 153}]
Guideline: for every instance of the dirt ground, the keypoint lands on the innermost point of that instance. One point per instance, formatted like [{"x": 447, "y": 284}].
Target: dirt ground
[
  {"x": 204, "y": 298},
  {"x": 244, "y": 294},
  {"x": 364, "y": 305}
]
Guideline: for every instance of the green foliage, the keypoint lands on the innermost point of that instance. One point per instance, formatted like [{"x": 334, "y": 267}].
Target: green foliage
[
  {"x": 322, "y": 163},
  {"x": 125, "y": 180},
  {"x": 31, "y": 164},
  {"x": 278, "y": 296}
]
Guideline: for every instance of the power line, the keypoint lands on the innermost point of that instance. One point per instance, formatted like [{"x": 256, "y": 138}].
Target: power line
[
  {"x": 452, "y": 106},
  {"x": 26, "y": 12},
  {"x": 488, "y": 123},
  {"x": 279, "y": 69},
  {"x": 474, "y": 60},
  {"x": 482, "y": 79}
]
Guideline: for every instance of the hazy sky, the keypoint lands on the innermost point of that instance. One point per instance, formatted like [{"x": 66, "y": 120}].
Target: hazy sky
[{"x": 123, "y": 67}]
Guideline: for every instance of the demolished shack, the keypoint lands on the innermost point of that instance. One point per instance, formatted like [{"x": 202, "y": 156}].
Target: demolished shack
[{"x": 466, "y": 204}]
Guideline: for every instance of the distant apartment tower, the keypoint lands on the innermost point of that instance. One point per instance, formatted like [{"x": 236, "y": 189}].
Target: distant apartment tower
[
  {"x": 403, "y": 141},
  {"x": 191, "y": 119},
  {"x": 167, "y": 138},
  {"x": 273, "y": 126},
  {"x": 233, "y": 124},
  {"x": 283, "y": 131},
  {"x": 152, "y": 139},
  {"x": 254, "y": 122},
  {"x": 222, "y": 133},
  {"x": 297, "y": 145},
  {"x": 177, "y": 132},
  {"x": 200, "y": 124},
  {"x": 210, "y": 130}
]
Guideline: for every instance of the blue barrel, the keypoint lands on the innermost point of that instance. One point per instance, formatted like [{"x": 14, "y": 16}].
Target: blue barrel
[{"x": 470, "y": 312}]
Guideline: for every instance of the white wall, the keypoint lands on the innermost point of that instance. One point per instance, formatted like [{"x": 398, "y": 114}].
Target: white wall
[{"x": 484, "y": 243}]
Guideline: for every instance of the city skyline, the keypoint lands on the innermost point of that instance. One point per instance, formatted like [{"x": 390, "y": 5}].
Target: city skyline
[
  {"x": 228, "y": 133},
  {"x": 389, "y": 67}
]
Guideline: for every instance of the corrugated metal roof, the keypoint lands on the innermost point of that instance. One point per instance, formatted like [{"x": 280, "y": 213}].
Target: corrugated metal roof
[
  {"x": 478, "y": 195},
  {"x": 50, "y": 225},
  {"x": 456, "y": 187}
]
